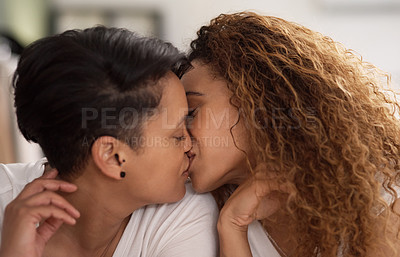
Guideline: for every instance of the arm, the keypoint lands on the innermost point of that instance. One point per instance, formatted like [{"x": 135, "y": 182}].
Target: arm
[{"x": 232, "y": 239}]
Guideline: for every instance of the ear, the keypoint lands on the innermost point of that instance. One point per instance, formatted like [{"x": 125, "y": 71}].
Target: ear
[{"x": 107, "y": 154}]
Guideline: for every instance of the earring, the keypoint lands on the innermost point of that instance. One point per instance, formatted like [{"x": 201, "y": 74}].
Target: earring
[{"x": 122, "y": 173}]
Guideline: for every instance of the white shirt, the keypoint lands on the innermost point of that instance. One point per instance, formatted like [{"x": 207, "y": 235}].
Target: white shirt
[
  {"x": 260, "y": 245},
  {"x": 185, "y": 228}
]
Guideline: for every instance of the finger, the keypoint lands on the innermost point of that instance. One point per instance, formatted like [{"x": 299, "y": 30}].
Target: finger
[
  {"x": 51, "y": 198},
  {"x": 48, "y": 228},
  {"x": 41, "y": 213},
  {"x": 40, "y": 185}
]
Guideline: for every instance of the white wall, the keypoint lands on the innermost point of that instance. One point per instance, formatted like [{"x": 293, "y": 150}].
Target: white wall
[
  {"x": 375, "y": 37},
  {"x": 374, "y": 32},
  {"x": 183, "y": 17}
]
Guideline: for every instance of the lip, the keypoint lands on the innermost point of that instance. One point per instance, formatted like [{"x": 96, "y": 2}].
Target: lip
[{"x": 186, "y": 172}]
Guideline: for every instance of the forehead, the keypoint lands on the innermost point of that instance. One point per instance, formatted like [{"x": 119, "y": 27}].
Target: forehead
[
  {"x": 199, "y": 73},
  {"x": 202, "y": 79},
  {"x": 173, "y": 91},
  {"x": 173, "y": 104}
]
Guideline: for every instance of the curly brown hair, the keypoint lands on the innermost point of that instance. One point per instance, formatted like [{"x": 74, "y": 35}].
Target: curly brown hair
[{"x": 322, "y": 116}]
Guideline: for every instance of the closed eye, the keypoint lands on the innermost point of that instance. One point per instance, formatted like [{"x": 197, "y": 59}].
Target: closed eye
[
  {"x": 192, "y": 113},
  {"x": 182, "y": 138}
]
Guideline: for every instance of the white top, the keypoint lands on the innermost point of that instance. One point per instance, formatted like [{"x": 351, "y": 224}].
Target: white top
[
  {"x": 185, "y": 228},
  {"x": 260, "y": 245}
]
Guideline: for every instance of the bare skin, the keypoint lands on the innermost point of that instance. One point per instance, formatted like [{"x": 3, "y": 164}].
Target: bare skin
[
  {"x": 87, "y": 215},
  {"x": 213, "y": 166},
  {"x": 216, "y": 165}
]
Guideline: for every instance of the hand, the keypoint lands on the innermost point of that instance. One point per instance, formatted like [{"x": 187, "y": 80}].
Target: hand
[
  {"x": 32, "y": 218},
  {"x": 257, "y": 198}
]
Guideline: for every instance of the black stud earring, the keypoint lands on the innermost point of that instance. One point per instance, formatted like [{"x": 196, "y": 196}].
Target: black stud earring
[{"x": 122, "y": 174}]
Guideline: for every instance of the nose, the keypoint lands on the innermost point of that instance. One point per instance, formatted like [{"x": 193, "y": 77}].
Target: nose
[{"x": 188, "y": 142}]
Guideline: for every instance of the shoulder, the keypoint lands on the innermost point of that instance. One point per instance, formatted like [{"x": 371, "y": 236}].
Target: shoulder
[
  {"x": 14, "y": 177},
  {"x": 259, "y": 241},
  {"x": 195, "y": 200},
  {"x": 184, "y": 228},
  {"x": 194, "y": 232},
  {"x": 193, "y": 207}
]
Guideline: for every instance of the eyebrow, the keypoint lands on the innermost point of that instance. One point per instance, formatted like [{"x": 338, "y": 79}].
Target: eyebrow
[{"x": 194, "y": 93}]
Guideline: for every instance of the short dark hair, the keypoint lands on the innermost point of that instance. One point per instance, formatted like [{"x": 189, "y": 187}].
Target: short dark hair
[{"x": 60, "y": 77}]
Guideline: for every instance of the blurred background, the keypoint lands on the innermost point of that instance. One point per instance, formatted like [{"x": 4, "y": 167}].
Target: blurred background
[{"x": 370, "y": 27}]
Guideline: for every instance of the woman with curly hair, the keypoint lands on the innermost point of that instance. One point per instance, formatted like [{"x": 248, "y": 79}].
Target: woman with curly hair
[{"x": 296, "y": 137}]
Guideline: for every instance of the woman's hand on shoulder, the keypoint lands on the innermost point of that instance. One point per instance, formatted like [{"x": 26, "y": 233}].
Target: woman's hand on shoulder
[
  {"x": 257, "y": 198},
  {"x": 32, "y": 218}
]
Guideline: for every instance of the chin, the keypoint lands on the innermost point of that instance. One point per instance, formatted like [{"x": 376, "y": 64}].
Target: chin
[
  {"x": 199, "y": 189},
  {"x": 199, "y": 186},
  {"x": 177, "y": 196}
]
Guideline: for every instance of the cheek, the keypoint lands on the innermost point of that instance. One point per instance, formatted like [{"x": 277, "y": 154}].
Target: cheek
[
  {"x": 167, "y": 168},
  {"x": 164, "y": 160},
  {"x": 216, "y": 164},
  {"x": 219, "y": 159},
  {"x": 172, "y": 155},
  {"x": 218, "y": 156},
  {"x": 212, "y": 123},
  {"x": 172, "y": 165}
]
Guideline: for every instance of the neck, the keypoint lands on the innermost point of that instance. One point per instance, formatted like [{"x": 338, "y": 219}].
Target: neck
[{"x": 103, "y": 219}]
